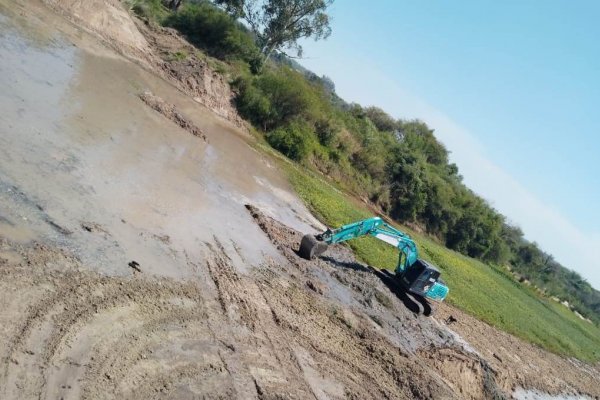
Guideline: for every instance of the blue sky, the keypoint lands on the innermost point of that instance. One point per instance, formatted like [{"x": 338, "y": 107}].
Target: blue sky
[{"x": 512, "y": 88}]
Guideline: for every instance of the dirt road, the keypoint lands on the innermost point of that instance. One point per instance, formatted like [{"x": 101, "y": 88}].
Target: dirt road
[{"x": 146, "y": 251}]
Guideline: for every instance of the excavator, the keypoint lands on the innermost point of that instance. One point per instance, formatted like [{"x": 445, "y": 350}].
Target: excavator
[{"x": 415, "y": 275}]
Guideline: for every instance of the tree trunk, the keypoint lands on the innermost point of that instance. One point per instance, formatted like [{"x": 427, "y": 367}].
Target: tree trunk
[
  {"x": 266, "y": 54},
  {"x": 172, "y": 4}
]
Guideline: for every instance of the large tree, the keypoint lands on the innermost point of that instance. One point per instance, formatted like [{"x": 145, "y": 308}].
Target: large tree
[{"x": 279, "y": 24}]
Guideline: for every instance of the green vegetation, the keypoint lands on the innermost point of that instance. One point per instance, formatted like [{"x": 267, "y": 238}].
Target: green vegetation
[
  {"x": 213, "y": 31},
  {"x": 149, "y": 9},
  {"x": 486, "y": 292},
  {"x": 291, "y": 140},
  {"x": 397, "y": 166},
  {"x": 277, "y": 25}
]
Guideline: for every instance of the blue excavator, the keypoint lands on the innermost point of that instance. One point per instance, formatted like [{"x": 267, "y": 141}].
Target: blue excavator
[{"x": 415, "y": 275}]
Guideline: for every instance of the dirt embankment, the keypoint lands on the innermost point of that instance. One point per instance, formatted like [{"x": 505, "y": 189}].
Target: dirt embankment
[
  {"x": 191, "y": 74},
  {"x": 153, "y": 47},
  {"x": 109, "y": 20},
  {"x": 521, "y": 364}
]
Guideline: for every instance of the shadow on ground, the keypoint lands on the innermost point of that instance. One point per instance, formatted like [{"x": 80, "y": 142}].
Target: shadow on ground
[{"x": 415, "y": 303}]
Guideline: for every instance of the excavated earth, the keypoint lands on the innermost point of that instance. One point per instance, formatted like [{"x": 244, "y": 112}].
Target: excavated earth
[{"x": 148, "y": 252}]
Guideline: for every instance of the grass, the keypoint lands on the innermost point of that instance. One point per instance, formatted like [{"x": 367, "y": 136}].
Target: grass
[
  {"x": 150, "y": 9},
  {"x": 484, "y": 291},
  {"x": 177, "y": 56}
]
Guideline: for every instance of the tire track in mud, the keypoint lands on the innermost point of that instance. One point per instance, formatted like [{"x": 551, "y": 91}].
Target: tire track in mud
[
  {"x": 355, "y": 357},
  {"x": 82, "y": 335},
  {"x": 229, "y": 286},
  {"x": 260, "y": 334},
  {"x": 266, "y": 356}
]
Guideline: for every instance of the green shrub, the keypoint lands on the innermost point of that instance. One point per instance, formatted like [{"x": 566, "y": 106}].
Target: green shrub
[
  {"x": 290, "y": 96},
  {"x": 286, "y": 93},
  {"x": 252, "y": 103},
  {"x": 326, "y": 130},
  {"x": 213, "y": 30},
  {"x": 293, "y": 140},
  {"x": 149, "y": 9}
]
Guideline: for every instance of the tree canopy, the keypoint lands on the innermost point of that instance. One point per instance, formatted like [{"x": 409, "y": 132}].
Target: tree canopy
[{"x": 279, "y": 24}]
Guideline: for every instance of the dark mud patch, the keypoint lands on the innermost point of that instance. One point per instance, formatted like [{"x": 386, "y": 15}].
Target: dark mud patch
[{"x": 466, "y": 373}]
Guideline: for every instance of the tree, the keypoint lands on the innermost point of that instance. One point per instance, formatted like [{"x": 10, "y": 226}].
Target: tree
[
  {"x": 407, "y": 188},
  {"x": 382, "y": 120},
  {"x": 213, "y": 30},
  {"x": 279, "y": 24},
  {"x": 421, "y": 139},
  {"x": 173, "y": 4}
]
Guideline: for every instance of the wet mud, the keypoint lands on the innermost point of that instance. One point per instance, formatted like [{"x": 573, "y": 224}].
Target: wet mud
[{"x": 285, "y": 329}]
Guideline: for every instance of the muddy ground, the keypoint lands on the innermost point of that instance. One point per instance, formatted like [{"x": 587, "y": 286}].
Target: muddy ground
[
  {"x": 322, "y": 329},
  {"x": 146, "y": 251}
]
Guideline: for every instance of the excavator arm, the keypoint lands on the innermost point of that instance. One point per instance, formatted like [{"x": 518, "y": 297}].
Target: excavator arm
[{"x": 377, "y": 228}]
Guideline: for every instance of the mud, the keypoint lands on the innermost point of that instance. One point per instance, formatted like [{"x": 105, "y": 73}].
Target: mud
[
  {"x": 172, "y": 113},
  {"x": 223, "y": 334},
  {"x": 523, "y": 365},
  {"x": 375, "y": 330},
  {"x": 131, "y": 267},
  {"x": 79, "y": 147}
]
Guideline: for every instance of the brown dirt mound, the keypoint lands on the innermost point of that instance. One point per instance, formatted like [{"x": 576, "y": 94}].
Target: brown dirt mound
[
  {"x": 109, "y": 20},
  {"x": 191, "y": 74},
  {"x": 424, "y": 358}
]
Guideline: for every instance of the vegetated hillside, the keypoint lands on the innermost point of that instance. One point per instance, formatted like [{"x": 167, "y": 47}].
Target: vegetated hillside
[{"x": 397, "y": 165}]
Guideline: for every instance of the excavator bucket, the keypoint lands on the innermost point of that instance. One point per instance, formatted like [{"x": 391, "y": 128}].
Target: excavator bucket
[{"x": 310, "y": 247}]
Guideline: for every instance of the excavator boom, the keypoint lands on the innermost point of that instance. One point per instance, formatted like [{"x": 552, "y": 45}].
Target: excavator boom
[{"x": 379, "y": 229}]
